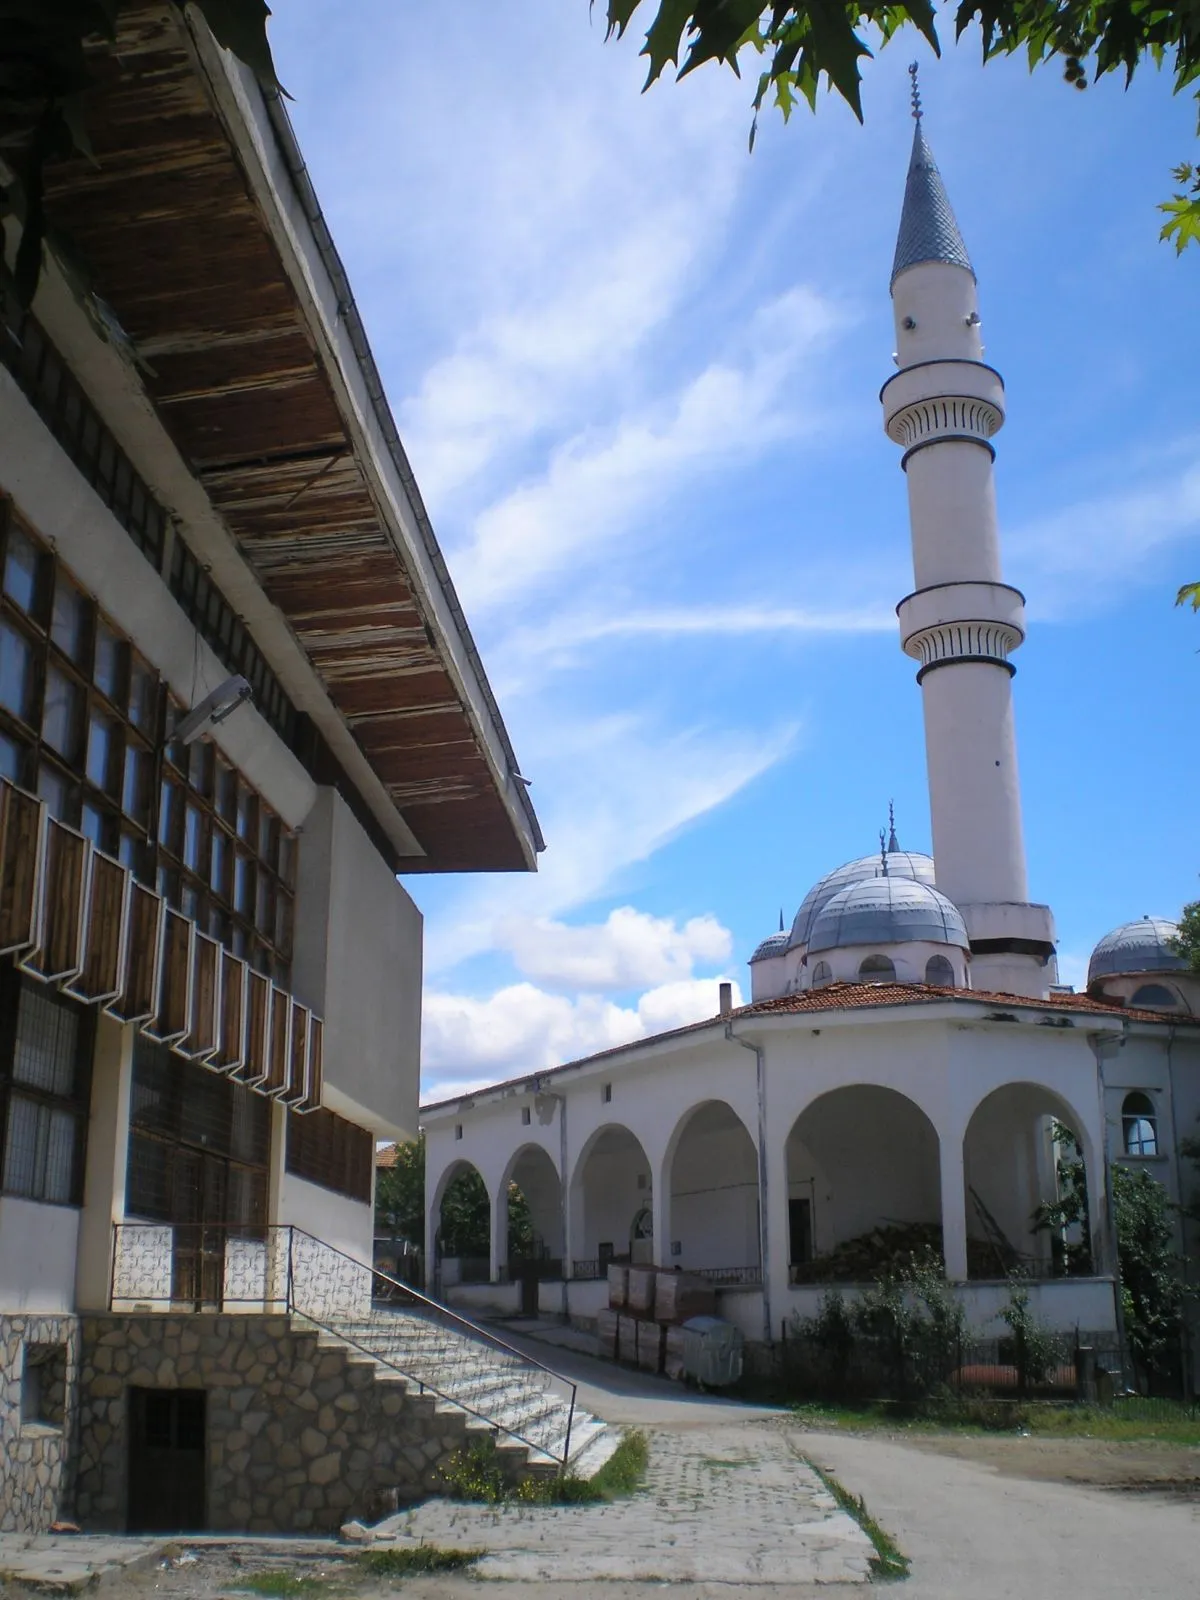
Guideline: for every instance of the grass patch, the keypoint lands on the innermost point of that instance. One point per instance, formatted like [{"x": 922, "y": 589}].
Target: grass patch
[
  {"x": 397, "y": 1563},
  {"x": 888, "y": 1562},
  {"x": 279, "y": 1585},
  {"x": 1129, "y": 1420},
  {"x": 478, "y": 1474}
]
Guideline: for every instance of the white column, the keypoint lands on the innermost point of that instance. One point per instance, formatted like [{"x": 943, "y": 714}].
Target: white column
[
  {"x": 107, "y": 1162},
  {"x": 498, "y": 1254},
  {"x": 660, "y": 1209},
  {"x": 954, "y": 1203}
]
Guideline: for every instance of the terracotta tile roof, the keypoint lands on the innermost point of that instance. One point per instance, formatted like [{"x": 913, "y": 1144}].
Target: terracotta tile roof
[
  {"x": 385, "y": 1156},
  {"x": 844, "y": 997}
]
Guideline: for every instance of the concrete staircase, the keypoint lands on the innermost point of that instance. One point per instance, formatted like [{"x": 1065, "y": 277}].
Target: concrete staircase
[{"x": 525, "y": 1407}]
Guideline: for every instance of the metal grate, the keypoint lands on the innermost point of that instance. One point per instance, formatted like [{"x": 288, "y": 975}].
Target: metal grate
[
  {"x": 39, "y": 1151},
  {"x": 47, "y": 1043}
]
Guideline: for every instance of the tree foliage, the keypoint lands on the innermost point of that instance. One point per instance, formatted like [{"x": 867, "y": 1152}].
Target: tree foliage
[
  {"x": 1067, "y": 1218},
  {"x": 1151, "y": 1282},
  {"x": 802, "y": 42},
  {"x": 1187, "y": 941},
  {"x": 400, "y": 1194},
  {"x": 47, "y": 54}
]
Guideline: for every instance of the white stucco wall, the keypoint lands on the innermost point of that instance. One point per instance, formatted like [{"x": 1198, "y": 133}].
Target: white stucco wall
[
  {"x": 37, "y": 1256},
  {"x": 345, "y": 1224},
  {"x": 713, "y": 1212},
  {"x": 357, "y": 961}
]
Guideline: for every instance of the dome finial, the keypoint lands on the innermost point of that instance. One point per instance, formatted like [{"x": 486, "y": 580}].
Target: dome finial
[
  {"x": 893, "y": 842},
  {"x": 781, "y": 919},
  {"x": 883, "y": 850},
  {"x": 916, "y": 91}
]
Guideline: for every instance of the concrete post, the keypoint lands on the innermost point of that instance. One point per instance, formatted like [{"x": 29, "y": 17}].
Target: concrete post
[
  {"x": 498, "y": 1254},
  {"x": 954, "y": 1204},
  {"x": 107, "y": 1162}
]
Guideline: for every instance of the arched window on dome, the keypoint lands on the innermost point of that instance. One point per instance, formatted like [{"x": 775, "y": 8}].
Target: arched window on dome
[
  {"x": 1139, "y": 1125},
  {"x": 822, "y": 974},
  {"x": 875, "y": 968},
  {"x": 939, "y": 970},
  {"x": 1154, "y": 995}
]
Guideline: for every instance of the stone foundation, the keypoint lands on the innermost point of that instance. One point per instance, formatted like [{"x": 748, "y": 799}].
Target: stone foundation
[
  {"x": 39, "y": 1362},
  {"x": 300, "y": 1436}
]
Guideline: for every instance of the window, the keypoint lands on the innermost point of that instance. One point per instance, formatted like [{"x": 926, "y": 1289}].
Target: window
[
  {"x": 44, "y": 1385},
  {"x": 45, "y": 1059},
  {"x": 79, "y": 721},
  {"x": 326, "y": 1149},
  {"x": 875, "y": 968},
  {"x": 822, "y": 974},
  {"x": 939, "y": 970},
  {"x": 458, "y": 1130},
  {"x": 606, "y": 1094},
  {"x": 1139, "y": 1125},
  {"x": 526, "y": 1116},
  {"x": 1153, "y": 995}
]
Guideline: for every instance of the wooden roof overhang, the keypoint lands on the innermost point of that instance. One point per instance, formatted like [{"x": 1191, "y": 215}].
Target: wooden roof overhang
[{"x": 188, "y": 244}]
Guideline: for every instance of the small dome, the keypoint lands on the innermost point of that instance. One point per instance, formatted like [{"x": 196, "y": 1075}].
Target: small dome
[
  {"x": 883, "y": 911},
  {"x": 900, "y": 864},
  {"x": 775, "y": 945},
  {"x": 1143, "y": 946}
]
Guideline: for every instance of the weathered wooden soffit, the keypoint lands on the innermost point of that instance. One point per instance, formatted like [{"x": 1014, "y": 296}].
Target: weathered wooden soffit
[
  {"x": 73, "y": 917},
  {"x": 167, "y": 226}
]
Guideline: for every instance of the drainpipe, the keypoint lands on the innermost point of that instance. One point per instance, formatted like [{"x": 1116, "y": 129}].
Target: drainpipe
[
  {"x": 761, "y": 1086},
  {"x": 1103, "y": 1046}
]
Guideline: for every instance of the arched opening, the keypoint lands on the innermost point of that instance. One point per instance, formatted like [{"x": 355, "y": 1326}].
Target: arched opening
[
  {"x": 822, "y": 974},
  {"x": 864, "y": 1184},
  {"x": 534, "y": 1198},
  {"x": 1025, "y": 1171},
  {"x": 462, "y": 1240},
  {"x": 877, "y": 968},
  {"x": 939, "y": 970},
  {"x": 611, "y": 1201},
  {"x": 713, "y": 1213},
  {"x": 1139, "y": 1125},
  {"x": 1155, "y": 996}
]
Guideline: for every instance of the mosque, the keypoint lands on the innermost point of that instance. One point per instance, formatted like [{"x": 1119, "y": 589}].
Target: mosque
[{"x": 908, "y": 1049}]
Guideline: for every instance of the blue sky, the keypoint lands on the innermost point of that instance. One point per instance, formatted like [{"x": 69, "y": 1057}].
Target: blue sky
[{"x": 636, "y": 371}]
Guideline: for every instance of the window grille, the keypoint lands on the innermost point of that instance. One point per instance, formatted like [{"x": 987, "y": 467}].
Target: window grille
[
  {"x": 324, "y": 1148},
  {"x": 44, "y": 1056}
]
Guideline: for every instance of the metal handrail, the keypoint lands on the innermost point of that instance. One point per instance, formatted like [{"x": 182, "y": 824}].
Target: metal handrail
[{"x": 291, "y": 1296}]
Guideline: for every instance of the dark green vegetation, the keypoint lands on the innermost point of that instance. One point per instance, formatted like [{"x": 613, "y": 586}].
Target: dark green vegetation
[
  {"x": 887, "y": 1562},
  {"x": 478, "y": 1474},
  {"x": 799, "y": 42},
  {"x": 1127, "y": 1420},
  {"x": 280, "y": 1585},
  {"x": 408, "y": 1563},
  {"x": 464, "y": 1227}
]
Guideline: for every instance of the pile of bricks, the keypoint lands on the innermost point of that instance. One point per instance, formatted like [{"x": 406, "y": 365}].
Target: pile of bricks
[{"x": 642, "y": 1325}]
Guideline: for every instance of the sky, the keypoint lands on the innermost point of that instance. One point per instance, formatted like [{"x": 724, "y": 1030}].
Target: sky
[{"x": 636, "y": 368}]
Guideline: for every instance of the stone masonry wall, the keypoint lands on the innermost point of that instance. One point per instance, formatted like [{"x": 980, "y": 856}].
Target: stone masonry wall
[
  {"x": 299, "y": 1437},
  {"x": 35, "y": 1450}
]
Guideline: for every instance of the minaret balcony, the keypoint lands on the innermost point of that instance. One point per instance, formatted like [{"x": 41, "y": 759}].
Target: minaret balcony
[
  {"x": 933, "y": 401},
  {"x": 962, "y": 622}
]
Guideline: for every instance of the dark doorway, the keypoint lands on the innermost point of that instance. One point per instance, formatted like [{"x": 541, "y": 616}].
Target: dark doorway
[
  {"x": 800, "y": 1246},
  {"x": 166, "y": 1460}
]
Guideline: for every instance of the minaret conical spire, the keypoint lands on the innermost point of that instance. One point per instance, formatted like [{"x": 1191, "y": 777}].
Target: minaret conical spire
[{"x": 928, "y": 228}]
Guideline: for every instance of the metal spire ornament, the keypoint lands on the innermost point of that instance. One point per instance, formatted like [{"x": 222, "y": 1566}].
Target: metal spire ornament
[{"x": 916, "y": 91}]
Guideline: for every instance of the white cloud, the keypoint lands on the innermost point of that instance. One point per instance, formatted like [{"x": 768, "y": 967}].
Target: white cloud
[
  {"x": 616, "y": 789},
  {"x": 1087, "y": 554},
  {"x": 600, "y": 484},
  {"x": 628, "y": 949},
  {"x": 470, "y": 1042}
]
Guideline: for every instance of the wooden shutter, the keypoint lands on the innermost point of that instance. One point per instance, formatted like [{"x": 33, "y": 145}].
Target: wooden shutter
[
  {"x": 256, "y": 1067},
  {"x": 280, "y": 1055},
  {"x": 174, "y": 1016},
  {"x": 106, "y": 931},
  {"x": 204, "y": 1035},
  {"x": 22, "y": 858},
  {"x": 316, "y": 1042},
  {"x": 232, "y": 1053},
  {"x": 59, "y": 954},
  {"x": 297, "y": 1084}
]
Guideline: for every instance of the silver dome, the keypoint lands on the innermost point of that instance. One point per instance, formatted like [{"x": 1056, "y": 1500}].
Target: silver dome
[
  {"x": 1143, "y": 946},
  {"x": 775, "y": 945},
  {"x": 883, "y": 911},
  {"x": 900, "y": 864}
]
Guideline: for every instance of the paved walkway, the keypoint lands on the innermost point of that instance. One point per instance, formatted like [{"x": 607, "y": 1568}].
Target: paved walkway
[
  {"x": 732, "y": 1504},
  {"x": 68, "y": 1561}
]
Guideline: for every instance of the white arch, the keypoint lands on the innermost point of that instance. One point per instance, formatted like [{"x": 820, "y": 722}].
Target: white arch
[
  {"x": 721, "y": 1225},
  {"x": 605, "y": 1215}
]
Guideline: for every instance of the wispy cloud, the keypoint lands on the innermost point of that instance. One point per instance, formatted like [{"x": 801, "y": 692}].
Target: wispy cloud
[
  {"x": 628, "y": 949},
  {"x": 618, "y": 788},
  {"x": 1084, "y": 556}
]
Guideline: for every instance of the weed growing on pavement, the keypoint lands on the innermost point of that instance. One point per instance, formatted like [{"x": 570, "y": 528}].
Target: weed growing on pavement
[
  {"x": 887, "y": 1562},
  {"x": 279, "y": 1585},
  {"x": 478, "y": 1474},
  {"x": 396, "y": 1563},
  {"x": 1126, "y": 1420}
]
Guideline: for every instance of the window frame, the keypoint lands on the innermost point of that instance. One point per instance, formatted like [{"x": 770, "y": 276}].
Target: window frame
[
  {"x": 76, "y": 1104},
  {"x": 1133, "y": 1119}
]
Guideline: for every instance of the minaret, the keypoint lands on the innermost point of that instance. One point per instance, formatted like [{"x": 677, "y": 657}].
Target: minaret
[{"x": 943, "y": 407}]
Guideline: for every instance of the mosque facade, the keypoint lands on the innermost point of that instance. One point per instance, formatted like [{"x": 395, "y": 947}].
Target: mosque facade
[{"x": 909, "y": 1059}]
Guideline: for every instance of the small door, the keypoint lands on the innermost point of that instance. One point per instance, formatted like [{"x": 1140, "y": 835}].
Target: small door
[
  {"x": 800, "y": 1231},
  {"x": 529, "y": 1288},
  {"x": 166, "y": 1461}
]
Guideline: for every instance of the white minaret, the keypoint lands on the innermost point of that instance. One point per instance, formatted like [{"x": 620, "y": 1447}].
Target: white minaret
[{"x": 961, "y": 622}]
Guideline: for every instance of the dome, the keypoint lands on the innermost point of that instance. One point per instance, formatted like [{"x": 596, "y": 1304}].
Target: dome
[
  {"x": 775, "y": 945},
  {"x": 901, "y": 864},
  {"x": 1143, "y": 946},
  {"x": 883, "y": 911}
]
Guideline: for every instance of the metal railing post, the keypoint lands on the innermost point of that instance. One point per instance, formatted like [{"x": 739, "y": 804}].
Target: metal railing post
[
  {"x": 112, "y": 1270},
  {"x": 291, "y": 1287}
]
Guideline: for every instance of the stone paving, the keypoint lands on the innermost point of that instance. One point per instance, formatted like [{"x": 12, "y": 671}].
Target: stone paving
[
  {"x": 728, "y": 1505},
  {"x": 68, "y": 1561}
]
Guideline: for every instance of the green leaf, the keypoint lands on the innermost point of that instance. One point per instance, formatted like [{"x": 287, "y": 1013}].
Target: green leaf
[
  {"x": 664, "y": 41},
  {"x": 1189, "y": 595},
  {"x": 1183, "y": 226},
  {"x": 241, "y": 27},
  {"x": 836, "y": 50}
]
